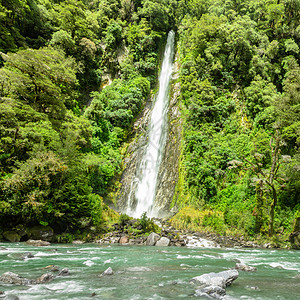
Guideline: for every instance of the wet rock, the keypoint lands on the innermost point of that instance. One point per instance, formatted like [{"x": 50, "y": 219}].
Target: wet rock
[
  {"x": 152, "y": 239},
  {"x": 64, "y": 272},
  {"x": 212, "y": 291},
  {"x": 243, "y": 267},
  {"x": 1, "y": 293},
  {"x": 2, "y": 248},
  {"x": 124, "y": 240},
  {"x": 78, "y": 242},
  {"x": 27, "y": 255},
  {"x": 52, "y": 268},
  {"x": 107, "y": 272},
  {"x": 11, "y": 236},
  {"x": 221, "y": 279},
  {"x": 137, "y": 241},
  {"x": 45, "y": 278},
  {"x": 11, "y": 297},
  {"x": 252, "y": 288},
  {"x": 44, "y": 233},
  {"x": 163, "y": 242},
  {"x": 38, "y": 243},
  {"x": 12, "y": 278}
]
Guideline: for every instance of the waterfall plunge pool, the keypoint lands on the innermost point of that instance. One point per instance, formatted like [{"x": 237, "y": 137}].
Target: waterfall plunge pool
[{"x": 142, "y": 272}]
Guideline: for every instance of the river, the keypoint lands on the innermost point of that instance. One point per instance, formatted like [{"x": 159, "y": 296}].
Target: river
[{"x": 142, "y": 272}]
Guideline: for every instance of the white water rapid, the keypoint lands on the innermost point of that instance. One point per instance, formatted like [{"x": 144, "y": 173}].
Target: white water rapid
[{"x": 144, "y": 185}]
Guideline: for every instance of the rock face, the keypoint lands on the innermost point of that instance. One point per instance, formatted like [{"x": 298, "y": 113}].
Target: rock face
[
  {"x": 163, "y": 242},
  {"x": 152, "y": 239},
  {"x": 168, "y": 173},
  {"x": 11, "y": 236}
]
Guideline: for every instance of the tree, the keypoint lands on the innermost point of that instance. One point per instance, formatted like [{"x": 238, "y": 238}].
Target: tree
[
  {"x": 267, "y": 180},
  {"x": 44, "y": 79}
]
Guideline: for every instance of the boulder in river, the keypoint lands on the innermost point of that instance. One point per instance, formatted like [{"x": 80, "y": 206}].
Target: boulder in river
[
  {"x": 64, "y": 272},
  {"x": 38, "y": 243},
  {"x": 11, "y": 236},
  {"x": 163, "y": 242},
  {"x": 152, "y": 239},
  {"x": 52, "y": 268},
  {"x": 221, "y": 279},
  {"x": 45, "y": 278},
  {"x": 12, "y": 278},
  {"x": 107, "y": 272},
  {"x": 27, "y": 255},
  {"x": 213, "y": 291},
  {"x": 243, "y": 267}
]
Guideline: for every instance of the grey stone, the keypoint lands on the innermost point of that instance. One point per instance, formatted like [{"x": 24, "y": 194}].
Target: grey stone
[
  {"x": 212, "y": 291},
  {"x": 45, "y": 278},
  {"x": 64, "y": 272},
  {"x": 78, "y": 242},
  {"x": 152, "y": 239},
  {"x": 243, "y": 267},
  {"x": 221, "y": 279},
  {"x": 107, "y": 272},
  {"x": 38, "y": 243},
  {"x": 12, "y": 278},
  {"x": 163, "y": 242},
  {"x": 11, "y": 297},
  {"x": 27, "y": 255}
]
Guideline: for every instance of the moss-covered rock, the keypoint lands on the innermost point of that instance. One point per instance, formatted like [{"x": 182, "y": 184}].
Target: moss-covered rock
[
  {"x": 11, "y": 236},
  {"x": 44, "y": 233}
]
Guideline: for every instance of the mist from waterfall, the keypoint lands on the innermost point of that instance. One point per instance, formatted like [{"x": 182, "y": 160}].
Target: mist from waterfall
[{"x": 143, "y": 188}]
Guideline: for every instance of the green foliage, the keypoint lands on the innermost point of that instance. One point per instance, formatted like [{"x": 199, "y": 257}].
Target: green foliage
[
  {"x": 148, "y": 224},
  {"x": 123, "y": 219},
  {"x": 193, "y": 219},
  {"x": 239, "y": 84}
]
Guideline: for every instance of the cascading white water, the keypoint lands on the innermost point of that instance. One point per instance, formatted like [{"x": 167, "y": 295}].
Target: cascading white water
[{"x": 146, "y": 180}]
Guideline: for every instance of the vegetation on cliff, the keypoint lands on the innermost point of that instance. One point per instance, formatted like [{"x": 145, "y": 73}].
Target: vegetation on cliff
[
  {"x": 240, "y": 82},
  {"x": 60, "y": 129}
]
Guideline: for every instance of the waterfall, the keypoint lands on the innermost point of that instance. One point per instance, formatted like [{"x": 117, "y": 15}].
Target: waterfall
[{"x": 143, "y": 187}]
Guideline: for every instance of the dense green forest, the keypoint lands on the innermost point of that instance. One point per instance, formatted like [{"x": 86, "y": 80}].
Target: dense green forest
[{"x": 61, "y": 131}]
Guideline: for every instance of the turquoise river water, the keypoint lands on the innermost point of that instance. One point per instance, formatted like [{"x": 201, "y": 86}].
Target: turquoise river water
[{"x": 142, "y": 272}]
